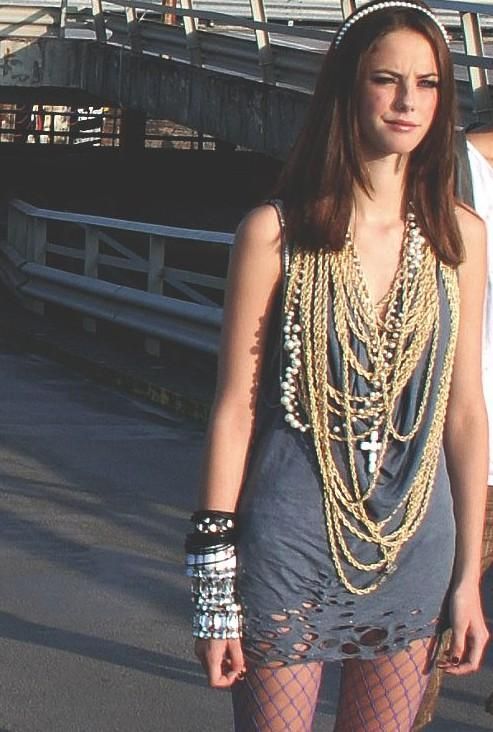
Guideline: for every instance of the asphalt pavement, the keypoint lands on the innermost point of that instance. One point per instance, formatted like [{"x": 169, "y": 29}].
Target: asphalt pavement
[{"x": 95, "y": 490}]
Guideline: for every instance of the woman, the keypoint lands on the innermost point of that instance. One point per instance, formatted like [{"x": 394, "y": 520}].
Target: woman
[{"x": 329, "y": 458}]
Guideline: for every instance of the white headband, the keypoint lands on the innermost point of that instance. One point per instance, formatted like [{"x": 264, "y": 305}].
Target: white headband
[{"x": 363, "y": 12}]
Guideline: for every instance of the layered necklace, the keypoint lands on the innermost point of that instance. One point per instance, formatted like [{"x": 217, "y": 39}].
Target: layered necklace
[{"x": 378, "y": 356}]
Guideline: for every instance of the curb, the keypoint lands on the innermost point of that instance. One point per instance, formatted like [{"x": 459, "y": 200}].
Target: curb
[{"x": 106, "y": 373}]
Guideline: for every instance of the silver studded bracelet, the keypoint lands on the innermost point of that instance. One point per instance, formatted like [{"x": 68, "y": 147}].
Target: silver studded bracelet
[{"x": 211, "y": 564}]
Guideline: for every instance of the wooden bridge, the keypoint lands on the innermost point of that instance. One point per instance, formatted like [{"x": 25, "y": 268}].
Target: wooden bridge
[{"x": 244, "y": 79}]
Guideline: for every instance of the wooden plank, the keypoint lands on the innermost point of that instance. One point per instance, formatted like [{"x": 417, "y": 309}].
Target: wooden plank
[
  {"x": 101, "y": 222},
  {"x": 27, "y": 30},
  {"x": 91, "y": 252},
  {"x": 37, "y": 238},
  {"x": 157, "y": 253},
  {"x": 121, "y": 248},
  {"x": 120, "y": 263},
  {"x": 190, "y": 292},
  {"x": 196, "y": 278},
  {"x": 65, "y": 251}
]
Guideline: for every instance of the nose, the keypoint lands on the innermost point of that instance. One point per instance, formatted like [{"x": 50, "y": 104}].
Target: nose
[{"x": 405, "y": 97}]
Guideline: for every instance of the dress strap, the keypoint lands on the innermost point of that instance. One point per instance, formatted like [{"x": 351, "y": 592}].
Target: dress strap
[
  {"x": 285, "y": 261},
  {"x": 285, "y": 252}
]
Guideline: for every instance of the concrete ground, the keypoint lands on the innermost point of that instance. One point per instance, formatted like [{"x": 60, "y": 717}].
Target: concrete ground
[{"x": 95, "y": 490}]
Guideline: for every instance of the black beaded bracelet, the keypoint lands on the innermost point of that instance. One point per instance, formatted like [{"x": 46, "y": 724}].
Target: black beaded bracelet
[
  {"x": 212, "y": 529},
  {"x": 213, "y": 522}
]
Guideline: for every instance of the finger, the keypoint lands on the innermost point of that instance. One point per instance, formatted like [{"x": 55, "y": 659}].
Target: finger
[
  {"x": 236, "y": 658},
  {"x": 476, "y": 648},
  {"x": 461, "y": 670},
  {"x": 477, "y": 641},
  {"x": 473, "y": 653},
  {"x": 214, "y": 667},
  {"x": 219, "y": 667},
  {"x": 457, "y": 645}
]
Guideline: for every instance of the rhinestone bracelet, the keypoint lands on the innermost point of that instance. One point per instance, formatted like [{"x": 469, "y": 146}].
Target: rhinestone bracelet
[
  {"x": 220, "y": 624},
  {"x": 217, "y": 613},
  {"x": 211, "y": 565}
]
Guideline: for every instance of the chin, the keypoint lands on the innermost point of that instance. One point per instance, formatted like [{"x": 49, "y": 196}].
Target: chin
[
  {"x": 394, "y": 147},
  {"x": 391, "y": 144}
]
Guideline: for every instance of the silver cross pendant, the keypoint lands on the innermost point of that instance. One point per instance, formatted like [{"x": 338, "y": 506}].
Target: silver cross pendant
[{"x": 372, "y": 446}]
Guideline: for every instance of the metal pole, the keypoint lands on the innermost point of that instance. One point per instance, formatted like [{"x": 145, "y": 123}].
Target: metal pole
[
  {"x": 63, "y": 18},
  {"x": 133, "y": 28},
  {"x": 98, "y": 17},
  {"x": 348, "y": 7},
  {"x": 473, "y": 44},
  {"x": 265, "y": 58},
  {"x": 192, "y": 34}
]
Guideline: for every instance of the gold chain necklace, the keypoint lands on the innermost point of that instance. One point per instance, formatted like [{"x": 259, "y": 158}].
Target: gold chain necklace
[{"x": 363, "y": 419}]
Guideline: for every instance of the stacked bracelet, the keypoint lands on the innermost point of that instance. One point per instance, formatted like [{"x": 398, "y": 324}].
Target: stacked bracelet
[{"x": 211, "y": 563}]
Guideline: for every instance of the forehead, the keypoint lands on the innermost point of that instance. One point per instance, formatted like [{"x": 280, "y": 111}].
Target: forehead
[{"x": 403, "y": 49}]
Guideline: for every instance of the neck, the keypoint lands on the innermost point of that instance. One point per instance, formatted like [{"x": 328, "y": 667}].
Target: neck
[{"x": 387, "y": 178}]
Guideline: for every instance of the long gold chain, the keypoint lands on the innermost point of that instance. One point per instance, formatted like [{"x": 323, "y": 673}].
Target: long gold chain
[{"x": 394, "y": 345}]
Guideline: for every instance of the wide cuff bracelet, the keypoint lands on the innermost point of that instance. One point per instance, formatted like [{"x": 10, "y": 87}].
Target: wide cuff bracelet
[
  {"x": 222, "y": 624},
  {"x": 211, "y": 565}
]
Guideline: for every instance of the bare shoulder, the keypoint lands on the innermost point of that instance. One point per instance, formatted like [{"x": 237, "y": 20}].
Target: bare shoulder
[
  {"x": 256, "y": 256},
  {"x": 261, "y": 228},
  {"x": 482, "y": 140}
]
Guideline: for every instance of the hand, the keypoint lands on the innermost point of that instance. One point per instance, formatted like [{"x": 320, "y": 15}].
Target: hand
[
  {"x": 222, "y": 660},
  {"x": 469, "y": 632}
]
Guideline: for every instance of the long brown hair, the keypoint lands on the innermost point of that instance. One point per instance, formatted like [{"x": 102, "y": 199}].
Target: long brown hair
[{"x": 317, "y": 181}]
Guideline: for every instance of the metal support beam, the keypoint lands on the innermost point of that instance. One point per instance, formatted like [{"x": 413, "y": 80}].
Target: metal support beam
[
  {"x": 98, "y": 16},
  {"x": 63, "y": 18},
  {"x": 473, "y": 43},
  {"x": 133, "y": 29},
  {"x": 191, "y": 34},
  {"x": 265, "y": 59},
  {"x": 348, "y": 7}
]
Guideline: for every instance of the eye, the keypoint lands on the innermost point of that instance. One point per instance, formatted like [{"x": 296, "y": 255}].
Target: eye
[
  {"x": 383, "y": 79},
  {"x": 428, "y": 83}
]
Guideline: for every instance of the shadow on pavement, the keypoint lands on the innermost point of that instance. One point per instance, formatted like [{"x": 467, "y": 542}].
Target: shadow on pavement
[{"x": 159, "y": 664}]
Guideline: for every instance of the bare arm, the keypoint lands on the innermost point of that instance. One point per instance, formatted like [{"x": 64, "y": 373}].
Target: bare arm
[
  {"x": 253, "y": 278},
  {"x": 466, "y": 449}
]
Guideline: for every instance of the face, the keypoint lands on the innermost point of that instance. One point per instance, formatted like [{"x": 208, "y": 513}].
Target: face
[{"x": 399, "y": 94}]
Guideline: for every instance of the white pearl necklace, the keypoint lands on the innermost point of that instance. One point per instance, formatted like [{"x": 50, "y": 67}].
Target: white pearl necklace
[
  {"x": 412, "y": 256},
  {"x": 292, "y": 345}
]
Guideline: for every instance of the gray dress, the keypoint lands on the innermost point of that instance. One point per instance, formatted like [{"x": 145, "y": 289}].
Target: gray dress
[{"x": 296, "y": 609}]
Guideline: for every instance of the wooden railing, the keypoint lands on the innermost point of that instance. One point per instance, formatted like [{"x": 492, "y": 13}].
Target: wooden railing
[
  {"x": 101, "y": 245},
  {"x": 251, "y": 45},
  {"x": 137, "y": 290}
]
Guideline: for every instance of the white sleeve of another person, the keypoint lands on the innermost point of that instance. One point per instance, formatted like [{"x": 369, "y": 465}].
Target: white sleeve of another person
[{"x": 482, "y": 181}]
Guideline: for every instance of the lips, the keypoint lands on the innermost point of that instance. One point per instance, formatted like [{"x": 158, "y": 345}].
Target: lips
[{"x": 401, "y": 124}]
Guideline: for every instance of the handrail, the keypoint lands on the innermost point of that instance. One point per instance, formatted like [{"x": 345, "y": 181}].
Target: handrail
[
  {"x": 274, "y": 52},
  {"x": 104, "y": 222},
  {"x": 97, "y": 246},
  {"x": 226, "y": 19},
  {"x": 174, "y": 305},
  {"x": 471, "y": 55}
]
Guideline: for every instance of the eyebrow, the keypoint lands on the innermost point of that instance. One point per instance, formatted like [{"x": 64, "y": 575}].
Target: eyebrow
[{"x": 396, "y": 74}]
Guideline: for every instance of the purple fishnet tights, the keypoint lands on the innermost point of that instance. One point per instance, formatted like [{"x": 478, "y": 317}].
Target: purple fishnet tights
[
  {"x": 382, "y": 695},
  {"x": 277, "y": 699}
]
